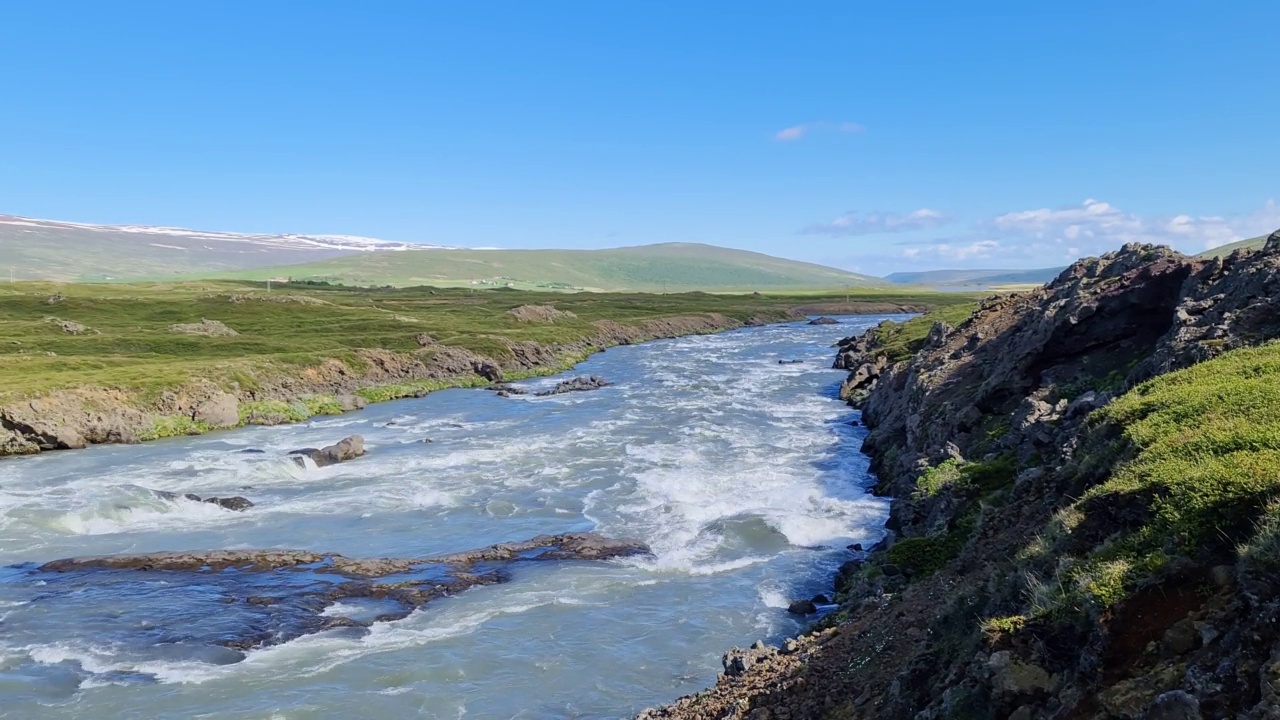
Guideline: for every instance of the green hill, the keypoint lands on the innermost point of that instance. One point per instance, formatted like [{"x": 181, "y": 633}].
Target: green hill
[
  {"x": 1223, "y": 250},
  {"x": 672, "y": 267},
  {"x": 980, "y": 278}
]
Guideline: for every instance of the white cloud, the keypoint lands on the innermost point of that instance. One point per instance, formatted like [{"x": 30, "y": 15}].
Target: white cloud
[
  {"x": 795, "y": 132},
  {"x": 1047, "y": 237},
  {"x": 874, "y": 223},
  {"x": 792, "y": 133},
  {"x": 1097, "y": 226}
]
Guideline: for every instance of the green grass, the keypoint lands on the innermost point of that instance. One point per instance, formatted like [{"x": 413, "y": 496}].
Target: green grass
[
  {"x": 1223, "y": 250},
  {"x": 296, "y": 328},
  {"x": 899, "y": 341},
  {"x": 925, "y": 555},
  {"x": 668, "y": 267},
  {"x": 1195, "y": 482}
]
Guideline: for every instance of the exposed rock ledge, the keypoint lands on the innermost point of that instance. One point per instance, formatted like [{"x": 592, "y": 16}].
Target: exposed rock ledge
[{"x": 274, "y": 596}]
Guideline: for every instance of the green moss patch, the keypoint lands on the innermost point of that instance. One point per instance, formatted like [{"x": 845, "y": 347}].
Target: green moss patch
[{"x": 1194, "y": 481}]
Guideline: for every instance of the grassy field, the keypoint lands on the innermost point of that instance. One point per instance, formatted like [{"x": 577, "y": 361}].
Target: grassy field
[
  {"x": 670, "y": 267},
  {"x": 127, "y": 341}
]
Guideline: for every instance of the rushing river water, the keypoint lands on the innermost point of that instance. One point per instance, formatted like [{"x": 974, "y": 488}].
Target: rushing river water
[{"x": 741, "y": 473}]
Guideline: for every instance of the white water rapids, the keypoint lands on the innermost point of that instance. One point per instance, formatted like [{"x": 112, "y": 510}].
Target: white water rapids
[{"x": 742, "y": 474}]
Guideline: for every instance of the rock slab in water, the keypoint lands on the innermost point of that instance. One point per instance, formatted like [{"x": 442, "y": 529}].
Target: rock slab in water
[
  {"x": 346, "y": 449},
  {"x": 824, "y": 320},
  {"x": 277, "y": 595},
  {"x": 578, "y": 384}
]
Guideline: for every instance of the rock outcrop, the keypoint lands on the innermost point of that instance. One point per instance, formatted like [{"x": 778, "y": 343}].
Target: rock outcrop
[
  {"x": 209, "y": 328},
  {"x": 540, "y": 314},
  {"x": 1008, "y": 587}
]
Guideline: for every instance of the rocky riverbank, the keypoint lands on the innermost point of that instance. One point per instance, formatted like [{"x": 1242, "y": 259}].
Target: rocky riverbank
[
  {"x": 1085, "y": 521},
  {"x": 78, "y": 416}
]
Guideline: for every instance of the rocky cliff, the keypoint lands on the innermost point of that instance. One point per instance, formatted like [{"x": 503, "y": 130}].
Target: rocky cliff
[{"x": 1086, "y": 520}]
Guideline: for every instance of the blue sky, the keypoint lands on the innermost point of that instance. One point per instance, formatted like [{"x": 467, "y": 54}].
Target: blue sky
[{"x": 873, "y": 136}]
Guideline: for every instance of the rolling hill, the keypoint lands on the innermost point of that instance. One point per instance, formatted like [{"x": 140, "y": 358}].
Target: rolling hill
[
  {"x": 673, "y": 267},
  {"x": 54, "y": 250},
  {"x": 1221, "y": 250},
  {"x": 33, "y": 249},
  {"x": 979, "y": 278}
]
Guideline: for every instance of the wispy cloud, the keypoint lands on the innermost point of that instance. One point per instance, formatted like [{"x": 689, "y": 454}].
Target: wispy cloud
[
  {"x": 851, "y": 223},
  {"x": 796, "y": 132}
]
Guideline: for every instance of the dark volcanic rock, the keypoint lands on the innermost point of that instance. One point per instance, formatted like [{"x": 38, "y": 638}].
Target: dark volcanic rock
[
  {"x": 231, "y": 503},
  {"x": 824, "y": 320},
  {"x": 790, "y": 362},
  {"x": 578, "y": 384},
  {"x": 507, "y": 390},
  {"x": 341, "y": 451},
  {"x": 802, "y": 607},
  {"x": 282, "y": 593}
]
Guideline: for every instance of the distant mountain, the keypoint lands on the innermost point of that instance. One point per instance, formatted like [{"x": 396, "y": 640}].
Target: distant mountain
[
  {"x": 983, "y": 278},
  {"x": 1250, "y": 244},
  {"x": 55, "y": 250},
  {"x": 673, "y": 267}
]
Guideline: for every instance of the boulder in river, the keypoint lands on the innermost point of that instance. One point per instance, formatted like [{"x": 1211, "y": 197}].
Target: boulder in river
[
  {"x": 236, "y": 503},
  {"x": 346, "y": 449},
  {"x": 790, "y": 362},
  {"x": 824, "y": 320},
  {"x": 578, "y": 384},
  {"x": 802, "y": 607}
]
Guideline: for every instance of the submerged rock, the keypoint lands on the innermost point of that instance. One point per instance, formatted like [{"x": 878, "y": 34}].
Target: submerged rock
[
  {"x": 507, "y": 389},
  {"x": 281, "y": 594},
  {"x": 824, "y": 320},
  {"x": 346, "y": 449},
  {"x": 236, "y": 503}
]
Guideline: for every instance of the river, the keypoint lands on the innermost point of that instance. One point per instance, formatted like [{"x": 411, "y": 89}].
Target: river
[{"x": 742, "y": 474}]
